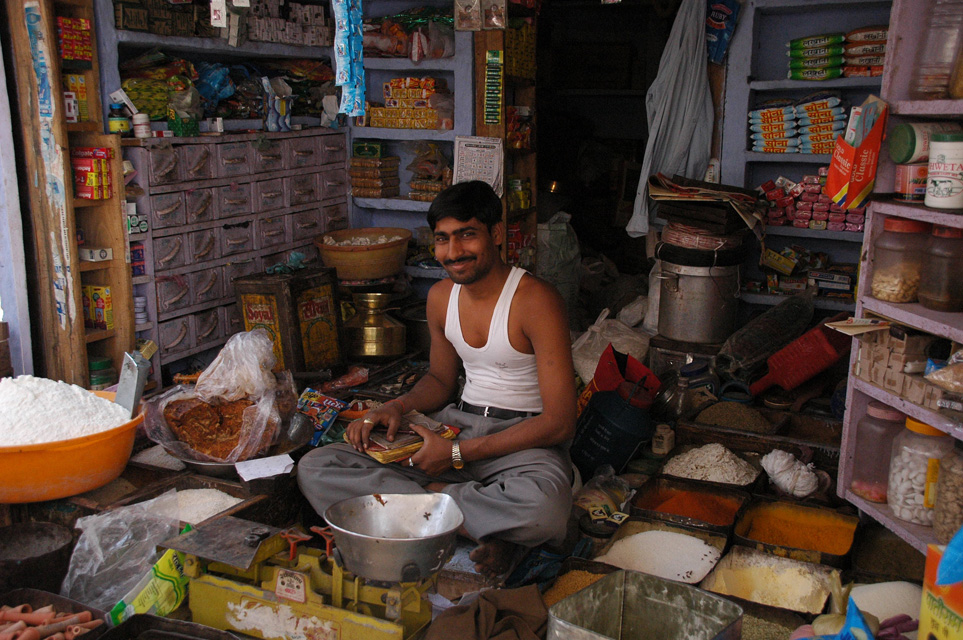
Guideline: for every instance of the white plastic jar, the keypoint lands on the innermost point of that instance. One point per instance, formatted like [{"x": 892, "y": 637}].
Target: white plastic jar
[
  {"x": 944, "y": 181},
  {"x": 914, "y": 469}
]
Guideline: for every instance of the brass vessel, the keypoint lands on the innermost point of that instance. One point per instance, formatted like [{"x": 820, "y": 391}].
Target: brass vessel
[{"x": 373, "y": 333}]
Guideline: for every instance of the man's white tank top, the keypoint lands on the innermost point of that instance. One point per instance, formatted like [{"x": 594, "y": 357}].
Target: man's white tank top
[{"x": 497, "y": 374}]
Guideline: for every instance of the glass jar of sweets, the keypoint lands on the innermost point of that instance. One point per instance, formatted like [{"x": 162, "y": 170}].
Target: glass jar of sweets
[
  {"x": 913, "y": 471},
  {"x": 948, "y": 511},
  {"x": 941, "y": 287},
  {"x": 875, "y": 433},
  {"x": 898, "y": 259}
]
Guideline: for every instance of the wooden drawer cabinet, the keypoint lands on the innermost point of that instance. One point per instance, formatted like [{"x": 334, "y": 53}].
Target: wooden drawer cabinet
[
  {"x": 167, "y": 210},
  {"x": 196, "y": 161},
  {"x": 302, "y": 189},
  {"x": 206, "y": 285},
  {"x": 333, "y": 183},
  {"x": 268, "y": 155},
  {"x": 237, "y": 238},
  {"x": 208, "y": 326},
  {"x": 233, "y": 159},
  {"x": 164, "y": 166},
  {"x": 204, "y": 245},
  {"x": 301, "y": 152},
  {"x": 201, "y": 205},
  {"x": 171, "y": 252},
  {"x": 175, "y": 335},
  {"x": 306, "y": 225},
  {"x": 269, "y": 195},
  {"x": 234, "y": 200},
  {"x": 272, "y": 231},
  {"x": 173, "y": 293},
  {"x": 237, "y": 269}
]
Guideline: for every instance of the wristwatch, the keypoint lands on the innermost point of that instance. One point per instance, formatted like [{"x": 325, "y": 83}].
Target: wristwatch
[{"x": 456, "y": 461}]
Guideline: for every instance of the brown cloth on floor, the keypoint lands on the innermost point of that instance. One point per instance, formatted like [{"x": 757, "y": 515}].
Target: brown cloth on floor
[{"x": 497, "y": 614}]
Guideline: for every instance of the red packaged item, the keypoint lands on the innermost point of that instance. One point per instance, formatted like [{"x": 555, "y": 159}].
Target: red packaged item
[
  {"x": 803, "y": 215},
  {"x": 820, "y": 206},
  {"x": 767, "y": 186},
  {"x": 855, "y": 218},
  {"x": 825, "y": 199},
  {"x": 784, "y": 202},
  {"x": 836, "y": 216},
  {"x": 852, "y": 173},
  {"x": 802, "y": 205},
  {"x": 776, "y": 222},
  {"x": 800, "y": 224},
  {"x": 791, "y": 211},
  {"x": 810, "y": 179},
  {"x": 796, "y": 190},
  {"x": 853, "y": 227},
  {"x": 775, "y": 194},
  {"x": 836, "y": 226},
  {"x": 813, "y": 188},
  {"x": 823, "y": 171},
  {"x": 821, "y": 216},
  {"x": 809, "y": 197}
]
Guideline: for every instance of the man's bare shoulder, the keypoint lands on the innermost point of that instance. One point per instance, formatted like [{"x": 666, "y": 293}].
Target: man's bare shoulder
[{"x": 535, "y": 291}]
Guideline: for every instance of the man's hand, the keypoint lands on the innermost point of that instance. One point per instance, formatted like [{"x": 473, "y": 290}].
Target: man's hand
[
  {"x": 434, "y": 457},
  {"x": 388, "y": 414}
]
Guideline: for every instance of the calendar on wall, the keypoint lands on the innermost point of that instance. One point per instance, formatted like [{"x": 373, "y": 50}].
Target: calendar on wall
[{"x": 479, "y": 158}]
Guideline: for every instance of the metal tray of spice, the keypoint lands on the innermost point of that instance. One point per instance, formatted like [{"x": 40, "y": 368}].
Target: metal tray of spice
[
  {"x": 689, "y": 503},
  {"x": 37, "y": 599},
  {"x": 713, "y": 464},
  {"x": 575, "y": 574},
  {"x": 807, "y": 533}
]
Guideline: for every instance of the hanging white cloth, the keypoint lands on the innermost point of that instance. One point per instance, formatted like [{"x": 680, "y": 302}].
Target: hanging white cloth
[{"x": 679, "y": 110}]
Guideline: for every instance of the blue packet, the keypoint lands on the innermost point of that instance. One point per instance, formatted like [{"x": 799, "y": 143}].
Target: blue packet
[
  {"x": 950, "y": 570},
  {"x": 721, "y": 17}
]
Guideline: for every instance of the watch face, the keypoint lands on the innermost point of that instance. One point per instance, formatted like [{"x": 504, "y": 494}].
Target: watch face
[{"x": 458, "y": 464}]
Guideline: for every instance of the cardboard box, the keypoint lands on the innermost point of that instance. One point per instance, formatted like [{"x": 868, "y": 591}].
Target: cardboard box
[
  {"x": 893, "y": 381},
  {"x": 877, "y": 374},
  {"x": 130, "y": 17},
  {"x": 101, "y": 307},
  {"x": 914, "y": 389},
  {"x": 778, "y": 262},
  {"x": 902, "y": 340},
  {"x": 941, "y": 613},
  {"x": 95, "y": 254}
]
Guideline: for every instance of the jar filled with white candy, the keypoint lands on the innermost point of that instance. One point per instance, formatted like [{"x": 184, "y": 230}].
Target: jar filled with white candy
[
  {"x": 898, "y": 259},
  {"x": 914, "y": 469}
]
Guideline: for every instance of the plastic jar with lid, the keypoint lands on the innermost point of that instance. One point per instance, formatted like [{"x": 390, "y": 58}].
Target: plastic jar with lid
[
  {"x": 913, "y": 471},
  {"x": 944, "y": 186},
  {"x": 909, "y": 142},
  {"x": 898, "y": 259},
  {"x": 875, "y": 433},
  {"x": 941, "y": 288},
  {"x": 938, "y": 51},
  {"x": 948, "y": 511}
]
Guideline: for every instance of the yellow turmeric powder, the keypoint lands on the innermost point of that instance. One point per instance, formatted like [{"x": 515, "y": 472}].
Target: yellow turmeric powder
[{"x": 798, "y": 527}]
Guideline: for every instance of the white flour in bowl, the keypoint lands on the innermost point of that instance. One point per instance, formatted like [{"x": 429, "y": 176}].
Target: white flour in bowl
[{"x": 38, "y": 410}]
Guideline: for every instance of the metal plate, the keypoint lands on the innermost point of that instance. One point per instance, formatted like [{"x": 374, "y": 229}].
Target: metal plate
[{"x": 222, "y": 540}]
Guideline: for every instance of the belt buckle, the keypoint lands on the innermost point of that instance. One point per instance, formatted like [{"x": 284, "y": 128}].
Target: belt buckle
[{"x": 485, "y": 412}]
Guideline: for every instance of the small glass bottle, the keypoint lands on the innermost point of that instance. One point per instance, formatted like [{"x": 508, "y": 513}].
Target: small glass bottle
[
  {"x": 117, "y": 120},
  {"x": 948, "y": 511},
  {"x": 875, "y": 433},
  {"x": 913, "y": 471},
  {"x": 941, "y": 288},
  {"x": 938, "y": 51},
  {"x": 898, "y": 259}
]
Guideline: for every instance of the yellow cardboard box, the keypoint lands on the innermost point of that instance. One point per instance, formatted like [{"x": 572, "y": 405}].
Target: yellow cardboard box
[{"x": 941, "y": 613}]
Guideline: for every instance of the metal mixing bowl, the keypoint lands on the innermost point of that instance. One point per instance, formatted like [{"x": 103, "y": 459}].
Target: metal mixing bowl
[{"x": 395, "y": 537}]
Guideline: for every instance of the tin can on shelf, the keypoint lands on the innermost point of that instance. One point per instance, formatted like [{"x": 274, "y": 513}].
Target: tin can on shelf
[{"x": 910, "y": 183}]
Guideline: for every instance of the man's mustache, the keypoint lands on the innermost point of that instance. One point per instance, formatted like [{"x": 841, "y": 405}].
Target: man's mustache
[{"x": 447, "y": 262}]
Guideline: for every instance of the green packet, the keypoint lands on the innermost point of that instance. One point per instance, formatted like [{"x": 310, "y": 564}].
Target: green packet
[
  {"x": 816, "y": 63},
  {"x": 161, "y": 590},
  {"x": 823, "y": 40},
  {"x": 815, "y": 74},
  {"x": 817, "y": 52}
]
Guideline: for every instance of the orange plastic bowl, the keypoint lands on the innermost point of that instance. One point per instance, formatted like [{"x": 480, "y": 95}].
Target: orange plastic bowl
[{"x": 51, "y": 470}]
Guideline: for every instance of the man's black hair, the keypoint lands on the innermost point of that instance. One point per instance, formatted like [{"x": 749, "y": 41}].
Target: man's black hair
[{"x": 464, "y": 201}]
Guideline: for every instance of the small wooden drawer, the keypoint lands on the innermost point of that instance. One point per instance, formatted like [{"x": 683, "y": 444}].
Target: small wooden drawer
[
  {"x": 204, "y": 246},
  {"x": 238, "y": 269},
  {"x": 234, "y": 200},
  {"x": 272, "y": 231},
  {"x": 335, "y": 216},
  {"x": 163, "y": 166},
  {"x": 233, "y": 159},
  {"x": 201, "y": 205},
  {"x": 269, "y": 195},
  {"x": 167, "y": 210},
  {"x": 268, "y": 155},
  {"x": 207, "y": 285},
  {"x": 302, "y": 189},
  {"x": 207, "y": 326},
  {"x": 171, "y": 252},
  {"x": 231, "y": 320},
  {"x": 173, "y": 293},
  {"x": 197, "y": 161},
  {"x": 237, "y": 238},
  {"x": 334, "y": 184},
  {"x": 306, "y": 225},
  {"x": 175, "y": 335},
  {"x": 333, "y": 148},
  {"x": 301, "y": 152}
]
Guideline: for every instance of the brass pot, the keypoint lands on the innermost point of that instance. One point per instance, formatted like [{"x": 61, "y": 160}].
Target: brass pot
[{"x": 372, "y": 333}]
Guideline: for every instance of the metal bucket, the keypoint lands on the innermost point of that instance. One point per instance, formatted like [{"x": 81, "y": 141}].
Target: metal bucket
[
  {"x": 698, "y": 304},
  {"x": 395, "y": 537},
  {"x": 628, "y": 604}
]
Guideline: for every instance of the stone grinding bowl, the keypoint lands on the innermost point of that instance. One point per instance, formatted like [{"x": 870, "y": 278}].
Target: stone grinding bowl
[
  {"x": 34, "y": 555},
  {"x": 395, "y": 537}
]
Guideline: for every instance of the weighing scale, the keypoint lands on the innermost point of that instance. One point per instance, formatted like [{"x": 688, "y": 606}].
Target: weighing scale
[{"x": 254, "y": 579}]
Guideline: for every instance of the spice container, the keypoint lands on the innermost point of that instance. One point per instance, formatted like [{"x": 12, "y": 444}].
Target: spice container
[
  {"x": 913, "y": 470},
  {"x": 102, "y": 374},
  {"x": 948, "y": 510},
  {"x": 898, "y": 259},
  {"x": 910, "y": 142},
  {"x": 941, "y": 288},
  {"x": 875, "y": 433},
  {"x": 117, "y": 120},
  {"x": 944, "y": 188}
]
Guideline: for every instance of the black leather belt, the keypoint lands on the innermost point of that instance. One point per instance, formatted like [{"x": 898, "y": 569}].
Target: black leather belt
[{"x": 494, "y": 412}]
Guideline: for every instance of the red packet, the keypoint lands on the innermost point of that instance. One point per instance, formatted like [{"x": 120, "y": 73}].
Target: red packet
[{"x": 852, "y": 172}]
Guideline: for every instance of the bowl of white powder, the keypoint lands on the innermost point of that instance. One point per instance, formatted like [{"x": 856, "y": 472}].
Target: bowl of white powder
[{"x": 59, "y": 439}]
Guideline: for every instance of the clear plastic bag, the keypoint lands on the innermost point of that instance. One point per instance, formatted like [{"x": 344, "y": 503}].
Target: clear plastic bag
[
  {"x": 949, "y": 377},
  {"x": 587, "y": 350},
  {"x": 116, "y": 548},
  {"x": 240, "y": 372}
]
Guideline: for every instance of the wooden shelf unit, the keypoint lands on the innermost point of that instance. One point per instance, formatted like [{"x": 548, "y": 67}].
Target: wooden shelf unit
[{"x": 54, "y": 214}]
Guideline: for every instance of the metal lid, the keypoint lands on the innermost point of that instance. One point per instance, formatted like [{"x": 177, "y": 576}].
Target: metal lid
[
  {"x": 98, "y": 363},
  {"x": 902, "y": 225},
  {"x": 946, "y": 137},
  {"x": 883, "y": 411},
  {"x": 922, "y": 428},
  {"x": 694, "y": 369}
]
